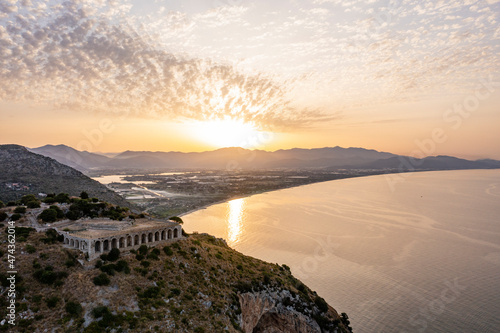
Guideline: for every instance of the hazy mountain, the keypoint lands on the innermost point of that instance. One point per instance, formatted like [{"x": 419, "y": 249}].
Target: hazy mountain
[
  {"x": 225, "y": 158},
  {"x": 80, "y": 160},
  {"x": 23, "y": 172},
  {"x": 405, "y": 163}
]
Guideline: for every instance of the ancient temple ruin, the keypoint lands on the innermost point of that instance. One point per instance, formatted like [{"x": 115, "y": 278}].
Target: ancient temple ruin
[{"x": 97, "y": 236}]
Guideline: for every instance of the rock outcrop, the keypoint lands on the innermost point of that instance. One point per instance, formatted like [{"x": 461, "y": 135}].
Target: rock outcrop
[{"x": 265, "y": 312}]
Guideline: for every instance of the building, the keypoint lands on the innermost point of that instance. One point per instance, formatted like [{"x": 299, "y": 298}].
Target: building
[{"x": 97, "y": 236}]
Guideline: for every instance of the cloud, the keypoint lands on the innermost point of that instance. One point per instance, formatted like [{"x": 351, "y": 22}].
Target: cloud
[{"x": 85, "y": 57}]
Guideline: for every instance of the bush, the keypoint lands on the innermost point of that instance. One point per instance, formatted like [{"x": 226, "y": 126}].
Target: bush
[
  {"x": 99, "y": 311},
  {"x": 30, "y": 248},
  {"x": 143, "y": 249},
  {"x": 20, "y": 210},
  {"x": 168, "y": 251},
  {"x": 321, "y": 304},
  {"x": 33, "y": 204},
  {"x": 114, "y": 254},
  {"x": 48, "y": 215},
  {"x": 60, "y": 213},
  {"x": 52, "y": 301},
  {"x": 15, "y": 217},
  {"x": 84, "y": 195},
  {"x": 28, "y": 198},
  {"x": 101, "y": 280},
  {"x": 74, "y": 309},
  {"x": 2, "y": 205},
  {"x": 3, "y": 216}
]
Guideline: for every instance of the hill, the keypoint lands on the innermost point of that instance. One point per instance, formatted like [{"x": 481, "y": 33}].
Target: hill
[
  {"x": 197, "y": 284},
  {"x": 23, "y": 172}
]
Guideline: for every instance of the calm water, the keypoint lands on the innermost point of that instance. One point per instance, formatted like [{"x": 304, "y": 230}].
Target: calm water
[{"x": 421, "y": 257}]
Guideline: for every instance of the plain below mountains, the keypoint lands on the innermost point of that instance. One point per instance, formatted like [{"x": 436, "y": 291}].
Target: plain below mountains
[
  {"x": 23, "y": 172},
  {"x": 238, "y": 158}
]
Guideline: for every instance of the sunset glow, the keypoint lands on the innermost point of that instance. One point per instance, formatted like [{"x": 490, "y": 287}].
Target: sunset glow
[{"x": 226, "y": 132}]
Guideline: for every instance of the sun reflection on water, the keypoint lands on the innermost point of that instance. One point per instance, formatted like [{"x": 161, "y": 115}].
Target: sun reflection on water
[{"x": 234, "y": 220}]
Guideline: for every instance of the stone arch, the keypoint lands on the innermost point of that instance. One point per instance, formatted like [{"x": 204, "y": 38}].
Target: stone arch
[
  {"x": 77, "y": 244},
  {"x": 150, "y": 237},
  {"x": 162, "y": 236},
  {"x": 136, "y": 239},
  {"x": 72, "y": 243},
  {"x": 129, "y": 240},
  {"x": 106, "y": 245},
  {"x": 157, "y": 236},
  {"x": 169, "y": 233},
  {"x": 114, "y": 243},
  {"x": 66, "y": 240},
  {"x": 97, "y": 246},
  {"x": 143, "y": 238},
  {"x": 122, "y": 242},
  {"x": 176, "y": 233}
]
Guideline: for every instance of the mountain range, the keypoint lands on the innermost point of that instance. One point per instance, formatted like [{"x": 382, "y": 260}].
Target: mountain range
[{"x": 238, "y": 158}]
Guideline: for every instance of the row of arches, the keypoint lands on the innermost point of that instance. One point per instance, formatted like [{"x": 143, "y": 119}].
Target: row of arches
[{"x": 137, "y": 239}]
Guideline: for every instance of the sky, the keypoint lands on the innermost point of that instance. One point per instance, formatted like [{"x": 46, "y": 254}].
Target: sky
[{"x": 412, "y": 77}]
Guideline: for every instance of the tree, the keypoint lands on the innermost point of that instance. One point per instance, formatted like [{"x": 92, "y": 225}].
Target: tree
[
  {"x": 20, "y": 210},
  {"x": 62, "y": 198},
  {"x": 33, "y": 204},
  {"x": 84, "y": 195},
  {"x": 15, "y": 217},
  {"x": 2, "y": 205},
  {"x": 114, "y": 254},
  {"x": 27, "y": 198},
  {"x": 48, "y": 215}
]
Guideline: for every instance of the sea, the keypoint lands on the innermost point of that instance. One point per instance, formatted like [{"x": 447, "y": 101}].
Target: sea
[{"x": 414, "y": 252}]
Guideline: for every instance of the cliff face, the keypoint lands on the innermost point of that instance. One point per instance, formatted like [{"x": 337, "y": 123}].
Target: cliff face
[{"x": 264, "y": 312}]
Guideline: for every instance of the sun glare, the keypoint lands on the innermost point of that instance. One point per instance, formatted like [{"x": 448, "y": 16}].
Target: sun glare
[{"x": 227, "y": 132}]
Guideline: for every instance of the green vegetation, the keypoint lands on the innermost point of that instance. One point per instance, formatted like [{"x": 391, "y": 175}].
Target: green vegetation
[
  {"x": 20, "y": 210},
  {"x": 48, "y": 215},
  {"x": 101, "y": 280}
]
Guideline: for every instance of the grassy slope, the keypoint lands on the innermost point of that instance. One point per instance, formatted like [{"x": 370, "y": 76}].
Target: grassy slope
[{"x": 190, "y": 288}]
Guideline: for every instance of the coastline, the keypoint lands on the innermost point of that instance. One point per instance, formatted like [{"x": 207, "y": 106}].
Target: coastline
[{"x": 407, "y": 174}]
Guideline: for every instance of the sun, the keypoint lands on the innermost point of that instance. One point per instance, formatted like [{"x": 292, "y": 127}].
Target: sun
[{"x": 227, "y": 132}]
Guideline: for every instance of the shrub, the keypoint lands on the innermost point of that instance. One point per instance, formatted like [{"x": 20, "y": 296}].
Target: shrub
[
  {"x": 74, "y": 309},
  {"x": 33, "y": 204},
  {"x": 52, "y": 301},
  {"x": 84, "y": 195},
  {"x": 99, "y": 311},
  {"x": 3, "y": 216},
  {"x": 143, "y": 249},
  {"x": 15, "y": 217},
  {"x": 168, "y": 251},
  {"x": 30, "y": 248},
  {"x": 114, "y": 254},
  {"x": 321, "y": 304},
  {"x": 20, "y": 210},
  {"x": 28, "y": 198},
  {"x": 101, "y": 280},
  {"x": 60, "y": 213},
  {"x": 2, "y": 205},
  {"x": 48, "y": 215}
]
